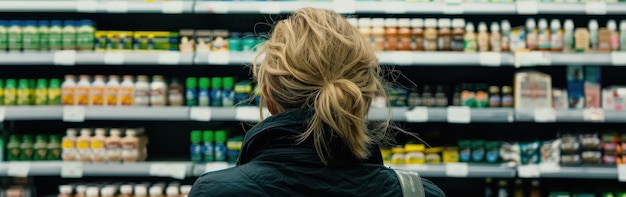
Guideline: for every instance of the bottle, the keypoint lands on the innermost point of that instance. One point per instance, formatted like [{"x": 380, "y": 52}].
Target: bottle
[
  {"x": 481, "y": 96},
  {"x": 220, "y": 145},
  {"x": 108, "y": 191},
  {"x": 41, "y": 92},
  {"x": 430, "y": 34},
  {"x": 43, "y": 31},
  {"x": 391, "y": 34},
  {"x": 40, "y": 148},
  {"x": 593, "y": 34},
  {"x": 111, "y": 91},
  {"x": 92, "y": 192},
  {"x": 184, "y": 190},
  {"x": 378, "y": 33},
  {"x": 506, "y": 35},
  {"x": 98, "y": 150},
  {"x": 489, "y": 188},
  {"x": 622, "y": 35},
  {"x": 141, "y": 191},
  {"x": 612, "y": 26},
  {"x": 543, "y": 39},
  {"x": 444, "y": 35},
  {"x": 55, "y": 35},
  {"x": 469, "y": 40},
  {"x": 365, "y": 28},
  {"x": 468, "y": 95},
  {"x": 54, "y": 148},
  {"x": 535, "y": 191},
  {"x": 556, "y": 36},
  {"x": 113, "y": 145},
  {"x": 196, "y": 147},
  {"x": 203, "y": 92},
  {"x": 404, "y": 34},
  {"x": 97, "y": 97},
  {"x": 68, "y": 146},
  {"x": 4, "y": 42},
  {"x": 441, "y": 100},
  {"x": 126, "y": 191},
  {"x": 428, "y": 99},
  {"x": 83, "y": 90},
  {"x": 209, "y": 153},
  {"x": 228, "y": 95},
  {"x": 417, "y": 34},
  {"x": 68, "y": 89},
  {"x": 483, "y": 37},
  {"x": 158, "y": 91},
  {"x": 414, "y": 98},
  {"x": 85, "y": 35},
  {"x": 26, "y": 148},
  {"x": 191, "y": 92},
  {"x": 13, "y": 148},
  {"x": 507, "y": 96},
  {"x": 494, "y": 96},
  {"x": 531, "y": 34},
  {"x": 10, "y": 92},
  {"x": 175, "y": 93},
  {"x": 503, "y": 190},
  {"x": 127, "y": 91},
  {"x": 15, "y": 35},
  {"x": 216, "y": 92},
  {"x": 65, "y": 191},
  {"x": 83, "y": 145},
  {"x": 54, "y": 92},
  {"x": 582, "y": 43},
  {"x": 156, "y": 191},
  {"x": 32, "y": 90},
  {"x": 172, "y": 191},
  {"x": 519, "y": 190},
  {"x": 30, "y": 36},
  {"x": 142, "y": 91},
  {"x": 458, "y": 32},
  {"x": 130, "y": 145},
  {"x": 568, "y": 36},
  {"x": 23, "y": 92},
  {"x": 69, "y": 35},
  {"x": 1, "y": 90},
  {"x": 495, "y": 38}
]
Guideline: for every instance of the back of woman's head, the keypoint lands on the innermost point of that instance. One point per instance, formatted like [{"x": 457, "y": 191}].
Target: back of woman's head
[{"x": 315, "y": 59}]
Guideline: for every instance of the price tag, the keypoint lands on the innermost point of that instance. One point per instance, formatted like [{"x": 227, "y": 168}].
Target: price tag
[
  {"x": 3, "y": 112},
  {"x": 457, "y": 170},
  {"x": 527, "y": 7},
  {"x": 219, "y": 58},
  {"x": 549, "y": 168},
  {"x": 88, "y": 6},
  {"x": 545, "y": 115},
  {"x": 169, "y": 58},
  {"x": 490, "y": 58},
  {"x": 172, "y": 7},
  {"x": 459, "y": 114},
  {"x": 113, "y": 58},
  {"x": 533, "y": 58},
  {"x": 65, "y": 58},
  {"x": 593, "y": 115},
  {"x": 72, "y": 170},
  {"x": 74, "y": 114},
  {"x": 395, "y": 7},
  {"x": 215, "y": 166},
  {"x": 595, "y": 8},
  {"x": 418, "y": 167},
  {"x": 117, "y": 7},
  {"x": 200, "y": 114},
  {"x": 344, "y": 6},
  {"x": 455, "y": 8},
  {"x": 19, "y": 169},
  {"x": 621, "y": 173},
  {"x": 249, "y": 113},
  {"x": 402, "y": 58},
  {"x": 528, "y": 171},
  {"x": 218, "y": 7},
  {"x": 417, "y": 114},
  {"x": 618, "y": 58},
  {"x": 269, "y": 8},
  {"x": 177, "y": 171}
]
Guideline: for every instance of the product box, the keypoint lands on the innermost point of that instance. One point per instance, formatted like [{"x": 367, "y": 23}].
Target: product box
[
  {"x": 155, "y": 41},
  {"x": 575, "y": 87},
  {"x": 614, "y": 98},
  {"x": 533, "y": 90},
  {"x": 559, "y": 99},
  {"x": 604, "y": 40},
  {"x": 592, "y": 86},
  {"x": 581, "y": 37},
  {"x": 517, "y": 39}
]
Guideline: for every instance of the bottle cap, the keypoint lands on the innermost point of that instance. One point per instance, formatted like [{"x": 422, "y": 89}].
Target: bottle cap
[
  {"x": 3, "y": 23},
  {"x": 469, "y": 27},
  {"x": 208, "y": 136},
  {"x": 69, "y": 23},
  {"x": 430, "y": 23},
  {"x": 128, "y": 78},
  {"x": 365, "y": 22},
  {"x": 229, "y": 82},
  {"x": 42, "y": 83},
  {"x": 65, "y": 189},
  {"x": 353, "y": 21},
  {"x": 15, "y": 23},
  {"x": 443, "y": 22},
  {"x": 192, "y": 82},
  {"x": 81, "y": 189},
  {"x": 220, "y": 136},
  {"x": 506, "y": 26},
  {"x": 555, "y": 24},
  {"x": 115, "y": 131},
  {"x": 458, "y": 23},
  {"x": 196, "y": 136},
  {"x": 378, "y": 22},
  {"x": 55, "y": 23},
  {"x": 622, "y": 25},
  {"x": 569, "y": 24},
  {"x": 99, "y": 78},
  {"x": 55, "y": 83},
  {"x": 131, "y": 132},
  {"x": 100, "y": 131},
  {"x": 142, "y": 78},
  {"x": 30, "y": 23},
  {"x": 43, "y": 23},
  {"x": 54, "y": 138},
  {"x": 92, "y": 192},
  {"x": 611, "y": 25},
  {"x": 593, "y": 24},
  {"x": 10, "y": 82},
  {"x": 108, "y": 191},
  {"x": 204, "y": 82},
  {"x": 157, "y": 78},
  {"x": 216, "y": 82},
  {"x": 417, "y": 22},
  {"x": 530, "y": 23},
  {"x": 482, "y": 26},
  {"x": 494, "y": 89},
  {"x": 543, "y": 23},
  {"x": 86, "y": 22},
  {"x": 40, "y": 138},
  {"x": 391, "y": 22},
  {"x": 23, "y": 83},
  {"x": 404, "y": 22},
  {"x": 495, "y": 27}
]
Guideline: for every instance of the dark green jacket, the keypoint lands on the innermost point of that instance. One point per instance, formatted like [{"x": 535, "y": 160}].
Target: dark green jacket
[{"x": 272, "y": 164}]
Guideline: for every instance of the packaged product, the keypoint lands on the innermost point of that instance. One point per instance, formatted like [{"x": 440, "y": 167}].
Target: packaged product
[
  {"x": 234, "y": 148},
  {"x": 492, "y": 153},
  {"x": 517, "y": 39},
  {"x": 592, "y": 86},
  {"x": 559, "y": 99},
  {"x": 551, "y": 151},
  {"x": 465, "y": 150},
  {"x": 414, "y": 153},
  {"x": 533, "y": 90},
  {"x": 398, "y": 156},
  {"x": 450, "y": 155},
  {"x": 203, "y": 40},
  {"x": 187, "y": 41},
  {"x": 510, "y": 153},
  {"x": 397, "y": 96},
  {"x": 614, "y": 98},
  {"x": 220, "y": 41},
  {"x": 433, "y": 155},
  {"x": 478, "y": 150},
  {"x": 529, "y": 153}
]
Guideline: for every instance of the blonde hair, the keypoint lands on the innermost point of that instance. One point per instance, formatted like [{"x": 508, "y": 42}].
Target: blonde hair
[{"x": 315, "y": 59}]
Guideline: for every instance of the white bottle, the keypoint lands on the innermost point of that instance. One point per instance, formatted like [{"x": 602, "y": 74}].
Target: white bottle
[
  {"x": 65, "y": 190},
  {"x": 68, "y": 90},
  {"x": 506, "y": 34},
  {"x": 141, "y": 191},
  {"x": 556, "y": 35},
  {"x": 353, "y": 21},
  {"x": 98, "y": 149},
  {"x": 142, "y": 91},
  {"x": 568, "y": 36},
  {"x": 126, "y": 190},
  {"x": 184, "y": 190},
  {"x": 83, "y": 89},
  {"x": 96, "y": 97},
  {"x": 593, "y": 34},
  {"x": 107, "y": 191},
  {"x": 111, "y": 91},
  {"x": 622, "y": 35},
  {"x": 612, "y": 26},
  {"x": 127, "y": 91},
  {"x": 495, "y": 41},
  {"x": 158, "y": 91},
  {"x": 531, "y": 34},
  {"x": 83, "y": 145},
  {"x": 543, "y": 42},
  {"x": 483, "y": 37},
  {"x": 172, "y": 191},
  {"x": 365, "y": 27},
  {"x": 92, "y": 192},
  {"x": 156, "y": 191}
]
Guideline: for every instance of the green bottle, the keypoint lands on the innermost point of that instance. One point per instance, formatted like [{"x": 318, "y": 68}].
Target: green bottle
[
  {"x": 41, "y": 148},
  {"x": 54, "y": 148},
  {"x": 41, "y": 92},
  {"x": 191, "y": 92},
  {"x": 1, "y": 91},
  {"x": 10, "y": 92},
  {"x": 43, "y": 31},
  {"x": 26, "y": 148},
  {"x": 4, "y": 32},
  {"x": 30, "y": 36},
  {"x": 216, "y": 91},
  {"x": 55, "y": 35},
  {"x": 196, "y": 147},
  {"x": 15, "y": 35},
  {"x": 23, "y": 92},
  {"x": 13, "y": 148},
  {"x": 208, "y": 148},
  {"x": 203, "y": 92},
  {"x": 54, "y": 92},
  {"x": 2, "y": 149},
  {"x": 228, "y": 95},
  {"x": 220, "y": 146},
  {"x": 32, "y": 90}
]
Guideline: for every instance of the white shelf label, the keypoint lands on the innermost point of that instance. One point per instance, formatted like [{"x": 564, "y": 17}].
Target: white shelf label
[
  {"x": 490, "y": 58},
  {"x": 74, "y": 114},
  {"x": 113, "y": 58},
  {"x": 269, "y": 8},
  {"x": 117, "y": 7},
  {"x": 549, "y": 168},
  {"x": 453, "y": 8},
  {"x": 418, "y": 167},
  {"x": 65, "y": 58},
  {"x": 219, "y": 58},
  {"x": 215, "y": 166},
  {"x": 593, "y": 115},
  {"x": 218, "y": 7},
  {"x": 618, "y": 58},
  {"x": 621, "y": 173},
  {"x": 169, "y": 58},
  {"x": 172, "y": 7},
  {"x": 395, "y": 7},
  {"x": 457, "y": 170},
  {"x": 595, "y": 8},
  {"x": 544, "y": 115},
  {"x": 3, "y": 112},
  {"x": 89, "y": 6},
  {"x": 533, "y": 58},
  {"x": 72, "y": 170},
  {"x": 417, "y": 114},
  {"x": 528, "y": 171},
  {"x": 344, "y": 6},
  {"x": 200, "y": 114},
  {"x": 402, "y": 58},
  {"x": 527, "y": 7},
  {"x": 19, "y": 169},
  {"x": 459, "y": 114},
  {"x": 249, "y": 113},
  {"x": 177, "y": 171}
]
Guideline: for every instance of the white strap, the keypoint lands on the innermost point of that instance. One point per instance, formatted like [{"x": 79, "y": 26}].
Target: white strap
[{"x": 411, "y": 183}]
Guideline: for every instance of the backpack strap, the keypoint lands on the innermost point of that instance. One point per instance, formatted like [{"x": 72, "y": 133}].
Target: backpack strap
[{"x": 411, "y": 183}]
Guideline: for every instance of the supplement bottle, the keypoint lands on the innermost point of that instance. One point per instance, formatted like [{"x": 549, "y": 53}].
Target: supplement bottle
[
  {"x": 158, "y": 91},
  {"x": 127, "y": 91},
  {"x": 98, "y": 150},
  {"x": 40, "y": 148},
  {"x": 55, "y": 35},
  {"x": 220, "y": 145},
  {"x": 83, "y": 145},
  {"x": 543, "y": 42},
  {"x": 68, "y": 89},
  {"x": 593, "y": 34},
  {"x": 13, "y": 148},
  {"x": 142, "y": 91},
  {"x": 172, "y": 191},
  {"x": 4, "y": 42},
  {"x": 10, "y": 92},
  {"x": 126, "y": 191},
  {"x": 85, "y": 35},
  {"x": 216, "y": 92},
  {"x": 92, "y": 192},
  {"x": 622, "y": 35},
  {"x": 568, "y": 36},
  {"x": 582, "y": 41},
  {"x": 417, "y": 34},
  {"x": 203, "y": 92},
  {"x": 30, "y": 36},
  {"x": 184, "y": 190},
  {"x": 191, "y": 92},
  {"x": 444, "y": 35},
  {"x": 54, "y": 92},
  {"x": 156, "y": 191},
  {"x": 456, "y": 44},
  {"x": 23, "y": 92},
  {"x": 69, "y": 35},
  {"x": 141, "y": 191},
  {"x": 15, "y": 35},
  {"x": 469, "y": 40},
  {"x": 26, "y": 148},
  {"x": 83, "y": 90},
  {"x": 495, "y": 38},
  {"x": 175, "y": 93},
  {"x": 430, "y": 34},
  {"x": 556, "y": 36},
  {"x": 68, "y": 146},
  {"x": 65, "y": 191},
  {"x": 44, "y": 37},
  {"x": 378, "y": 33},
  {"x": 506, "y": 36},
  {"x": 130, "y": 145},
  {"x": 96, "y": 97},
  {"x": 365, "y": 28},
  {"x": 391, "y": 34},
  {"x": 113, "y": 145},
  {"x": 196, "y": 147},
  {"x": 111, "y": 91},
  {"x": 41, "y": 92},
  {"x": 228, "y": 95},
  {"x": 531, "y": 34},
  {"x": 80, "y": 191},
  {"x": 612, "y": 27},
  {"x": 54, "y": 148},
  {"x": 483, "y": 37},
  {"x": 208, "y": 147},
  {"x": 404, "y": 34}
]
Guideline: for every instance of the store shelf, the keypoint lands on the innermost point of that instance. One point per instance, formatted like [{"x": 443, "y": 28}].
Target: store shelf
[
  {"x": 55, "y": 168},
  {"x": 69, "y": 58},
  {"x": 581, "y": 58},
  {"x": 33, "y": 113},
  {"x": 572, "y": 115},
  {"x": 440, "y": 114},
  {"x": 92, "y": 6},
  {"x": 583, "y": 172},
  {"x": 137, "y": 113},
  {"x": 581, "y": 8},
  {"x": 473, "y": 170},
  {"x": 265, "y": 7}
]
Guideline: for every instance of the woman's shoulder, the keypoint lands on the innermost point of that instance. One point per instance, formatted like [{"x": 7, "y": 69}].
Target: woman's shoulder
[{"x": 227, "y": 182}]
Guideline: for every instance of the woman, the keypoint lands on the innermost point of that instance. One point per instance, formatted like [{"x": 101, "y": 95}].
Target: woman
[{"x": 318, "y": 79}]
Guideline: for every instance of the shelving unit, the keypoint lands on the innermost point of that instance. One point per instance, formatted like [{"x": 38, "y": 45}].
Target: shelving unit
[
  {"x": 70, "y": 58},
  {"x": 95, "y": 6},
  {"x": 139, "y": 169}
]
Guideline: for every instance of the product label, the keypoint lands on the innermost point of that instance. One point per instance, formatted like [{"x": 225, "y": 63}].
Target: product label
[
  {"x": 614, "y": 42},
  {"x": 43, "y": 38},
  {"x": 444, "y": 42},
  {"x": 483, "y": 43},
  {"x": 67, "y": 144},
  {"x": 69, "y": 41},
  {"x": 54, "y": 96},
  {"x": 203, "y": 97},
  {"x": 126, "y": 96},
  {"x": 495, "y": 43},
  {"x": 556, "y": 40},
  {"x": 111, "y": 96},
  {"x": 41, "y": 153},
  {"x": 97, "y": 96},
  {"x": 430, "y": 44},
  {"x": 41, "y": 96},
  {"x": 69, "y": 96},
  {"x": 191, "y": 97},
  {"x": 470, "y": 45},
  {"x": 14, "y": 153},
  {"x": 157, "y": 97},
  {"x": 379, "y": 43},
  {"x": 457, "y": 43},
  {"x": 54, "y": 154},
  {"x": 228, "y": 98},
  {"x": 30, "y": 41},
  {"x": 85, "y": 40},
  {"x": 82, "y": 95},
  {"x": 4, "y": 42},
  {"x": 130, "y": 150},
  {"x": 23, "y": 96},
  {"x": 10, "y": 95},
  {"x": 55, "y": 41},
  {"x": 216, "y": 98},
  {"x": 531, "y": 41},
  {"x": 504, "y": 43},
  {"x": 15, "y": 41},
  {"x": 544, "y": 40},
  {"x": 82, "y": 145},
  {"x": 142, "y": 97},
  {"x": 175, "y": 96},
  {"x": 97, "y": 144}
]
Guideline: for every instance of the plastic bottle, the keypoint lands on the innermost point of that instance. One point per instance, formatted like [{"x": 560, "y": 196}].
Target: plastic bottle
[
  {"x": 172, "y": 191},
  {"x": 184, "y": 190},
  {"x": 65, "y": 191},
  {"x": 98, "y": 150},
  {"x": 69, "y": 35},
  {"x": 228, "y": 95},
  {"x": 622, "y": 35},
  {"x": 208, "y": 147},
  {"x": 593, "y": 34},
  {"x": 430, "y": 34},
  {"x": 556, "y": 36},
  {"x": 83, "y": 145},
  {"x": 158, "y": 91},
  {"x": 568, "y": 36},
  {"x": 204, "y": 97},
  {"x": 142, "y": 91},
  {"x": 41, "y": 92},
  {"x": 54, "y": 92},
  {"x": 1, "y": 92},
  {"x": 32, "y": 85},
  {"x": 23, "y": 92},
  {"x": 126, "y": 191},
  {"x": 141, "y": 191},
  {"x": 365, "y": 28},
  {"x": 4, "y": 42},
  {"x": 85, "y": 35},
  {"x": 83, "y": 90},
  {"x": 13, "y": 148},
  {"x": 220, "y": 145},
  {"x": 43, "y": 30},
  {"x": 531, "y": 34},
  {"x": 68, "y": 146},
  {"x": 130, "y": 145},
  {"x": 503, "y": 190},
  {"x": 519, "y": 190},
  {"x": 216, "y": 92},
  {"x": 10, "y": 92},
  {"x": 444, "y": 35},
  {"x": 191, "y": 92},
  {"x": 196, "y": 147},
  {"x": 55, "y": 35},
  {"x": 458, "y": 31},
  {"x": 535, "y": 191},
  {"x": 111, "y": 91},
  {"x": 543, "y": 42},
  {"x": 113, "y": 145},
  {"x": 69, "y": 90},
  {"x": 391, "y": 34},
  {"x": 156, "y": 191},
  {"x": 417, "y": 34},
  {"x": 495, "y": 38},
  {"x": 15, "y": 35},
  {"x": 26, "y": 148},
  {"x": 107, "y": 192},
  {"x": 92, "y": 192},
  {"x": 127, "y": 91},
  {"x": 40, "y": 148},
  {"x": 97, "y": 97},
  {"x": 175, "y": 93},
  {"x": 612, "y": 26},
  {"x": 489, "y": 188},
  {"x": 54, "y": 148},
  {"x": 30, "y": 36},
  {"x": 404, "y": 34},
  {"x": 469, "y": 40},
  {"x": 378, "y": 33}
]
